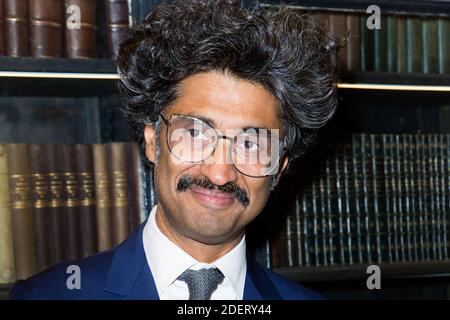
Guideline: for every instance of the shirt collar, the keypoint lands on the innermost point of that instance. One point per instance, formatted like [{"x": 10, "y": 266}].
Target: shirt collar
[{"x": 167, "y": 261}]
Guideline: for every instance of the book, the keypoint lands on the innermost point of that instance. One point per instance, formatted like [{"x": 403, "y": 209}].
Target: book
[
  {"x": 71, "y": 197},
  {"x": 401, "y": 44},
  {"x": 119, "y": 191},
  {"x": 394, "y": 39},
  {"x": 38, "y": 157},
  {"x": 102, "y": 195},
  {"x": 443, "y": 26},
  {"x": 7, "y": 268},
  {"x": 352, "y": 55},
  {"x": 413, "y": 45},
  {"x": 80, "y": 36},
  {"x": 45, "y": 28},
  {"x": 55, "y": 204},
  {"x": 16, "y": 28},
  {"x": 88, "y": 223},
  {"x": 117, "y": 24},
  {"x": 21, "y": 210},
  {"x": 2, "y": 29}
]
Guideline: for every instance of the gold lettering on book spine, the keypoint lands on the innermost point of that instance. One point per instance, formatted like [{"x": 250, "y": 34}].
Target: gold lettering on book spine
[
  {"x": 87, "y": 190},
  {"x": 20, "y": 191},
  {"x": 56, "y": 188},
  {"x": 70, "y": 183},
  {"x": 102, "y": 180},
  {"x": 39, "y": 190},
  {"x": 121, "y": 189}
]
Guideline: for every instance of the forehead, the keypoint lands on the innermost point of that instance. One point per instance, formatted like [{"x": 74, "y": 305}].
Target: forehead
[{"x": 228, "y": 101}]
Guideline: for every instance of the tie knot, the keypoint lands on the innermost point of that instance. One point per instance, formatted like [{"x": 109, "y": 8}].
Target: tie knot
[{"x": 202, "y": 283}]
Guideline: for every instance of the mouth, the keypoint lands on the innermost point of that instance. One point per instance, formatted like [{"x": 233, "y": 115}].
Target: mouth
[{"x": 214, "y": 199}]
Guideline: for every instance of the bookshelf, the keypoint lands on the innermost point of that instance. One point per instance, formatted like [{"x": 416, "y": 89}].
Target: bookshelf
[{"x": 372, "y": 102}]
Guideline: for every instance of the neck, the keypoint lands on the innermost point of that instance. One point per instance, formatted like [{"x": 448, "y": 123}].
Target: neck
[{"x": 206, "y": 253}]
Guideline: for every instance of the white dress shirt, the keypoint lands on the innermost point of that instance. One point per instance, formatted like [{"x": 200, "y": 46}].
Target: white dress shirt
[{"x": 167, "y": 262}]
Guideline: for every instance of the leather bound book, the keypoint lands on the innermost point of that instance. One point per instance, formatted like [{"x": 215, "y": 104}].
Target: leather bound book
[
  {"x": 56, "y": 204},
  {"x": 102, "y": 187},
  {"x": 6, "y": 236},
  {"x": 134, "y": 185},
  {"x": 80, "y": 39},
  {"x": 353, "y": 58},
  {"x": 117, "y": 24},
  {"x": 39, "y": 198},
  {"x": 85, "y": 166},
  {"x": 21, "y": 211},
  {"x": 2, "y": 32},
  {"x": 45, "y": 28},
  {"x": 72, "y": 230},
  {"x": 119, "y": 191},
  {"x": 16, "y": 28}
]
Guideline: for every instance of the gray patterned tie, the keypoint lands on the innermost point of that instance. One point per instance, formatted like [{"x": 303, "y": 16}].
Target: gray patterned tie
[{"x": 202, "y": 283}]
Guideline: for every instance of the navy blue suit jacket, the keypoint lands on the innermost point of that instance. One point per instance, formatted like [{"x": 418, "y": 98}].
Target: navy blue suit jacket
[{"x": 123, "y": 273}]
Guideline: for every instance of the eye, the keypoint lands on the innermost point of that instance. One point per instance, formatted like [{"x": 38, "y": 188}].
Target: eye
[{"x": 194, "y": 133}]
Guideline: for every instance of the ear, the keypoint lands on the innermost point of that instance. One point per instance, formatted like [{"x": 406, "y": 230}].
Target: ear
[
  {"x": 284, "y": 164},
  {"x": 150, "y": 142}
]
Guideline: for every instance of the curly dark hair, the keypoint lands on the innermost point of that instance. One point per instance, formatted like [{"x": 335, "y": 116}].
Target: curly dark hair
[{"x": 288, "y": 53}]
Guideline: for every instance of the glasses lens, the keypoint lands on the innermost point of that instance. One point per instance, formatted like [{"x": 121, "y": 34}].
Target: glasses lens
[
  {"x": 257, "y": 154},
  {"x": 190, "y": 139}
]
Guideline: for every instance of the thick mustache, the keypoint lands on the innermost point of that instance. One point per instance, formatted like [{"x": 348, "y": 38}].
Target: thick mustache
[{"x": 186, "y": 182}]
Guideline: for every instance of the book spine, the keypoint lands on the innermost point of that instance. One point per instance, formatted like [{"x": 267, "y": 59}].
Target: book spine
[
  {"x": 56, "y": 204},
  {"x": 353, "y": 56},
  {"x": 411, "y": 191},
  {"x": 379, "y": 46},
  {"x": 71, "y": 197},
  {"x": 366, "y": 178},
  {"x": 326, "y": 231},
  {"x": 7, "y": 268},
  {"x": 102, "y": 188},
  {"x": 119, "y": 191},
  {"x": 375, "y": 151},
  {"x": 80, "y": 39},
  {"x": 443, "y": 26},
  {"x": 413, "y": 45},
  {"x": 306, "y": 230},
  {"x": 347, "y": 153},
  {"x": 332, "y": 217},
  {"x": 316, "y": 224},
  {"x": 356, "y": 162},
  {"x": 405, "y": 183},
  {"x": 289, "y": 241},
  {"x": 117, "y": 24},
  {"x": 134, "y": 174},
  {"x": 398, "y": 166},
  {"x": 40, "y": 197},
  {"x": 2, "y": 29},
  {"x": 88, "y": 220},
  {"x": 16, "y": 28},
  {"x": 388, "y": 197},
  {"x": 392, "y": 38},
  {"x": 401, "y": 44},
  {"x": 437, "y": 198},
  {"x": 431, "y": 196},
  {"x": 298, "y": 228},
  {"x": 429, "y": 45},
  {"x": 21, "y": 210},
  {"x": 444, "y": 190},
  {"x": 446, "y": 182},
  {"x": 426, "y": 199},
  {"x": 420, "y": 197},
  {"x": 45, "y": 28}
]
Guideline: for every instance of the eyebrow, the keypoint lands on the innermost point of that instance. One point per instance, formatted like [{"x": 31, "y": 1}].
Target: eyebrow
[{"x": 213, "y": 124}]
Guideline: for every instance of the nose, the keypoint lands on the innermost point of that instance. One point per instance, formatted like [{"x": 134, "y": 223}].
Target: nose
[{"x": 218, "y": 167}]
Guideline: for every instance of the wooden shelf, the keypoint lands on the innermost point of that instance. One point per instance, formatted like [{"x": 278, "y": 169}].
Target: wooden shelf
[
  {"x": 402, "y": 270},
  {"x": 416, "y": 7}
]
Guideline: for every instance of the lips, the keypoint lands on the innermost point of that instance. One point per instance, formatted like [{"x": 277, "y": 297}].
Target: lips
[{"x": 213, "y": 198}]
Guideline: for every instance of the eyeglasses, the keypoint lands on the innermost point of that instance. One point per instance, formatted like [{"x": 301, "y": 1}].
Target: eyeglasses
[{"x": 255, "y": 152}]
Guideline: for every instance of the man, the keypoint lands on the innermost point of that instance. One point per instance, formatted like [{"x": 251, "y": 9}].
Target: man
[{"x": 221, "y": 99}]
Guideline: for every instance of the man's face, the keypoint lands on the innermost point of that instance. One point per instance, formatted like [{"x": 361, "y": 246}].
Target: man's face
[{"x": 190, "y": 209}]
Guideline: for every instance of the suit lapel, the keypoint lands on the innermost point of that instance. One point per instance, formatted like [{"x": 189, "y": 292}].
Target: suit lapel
[
  {"x": 258, "y": 286},
  {"x": 129, "y": 275}
]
